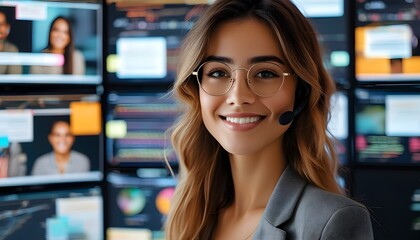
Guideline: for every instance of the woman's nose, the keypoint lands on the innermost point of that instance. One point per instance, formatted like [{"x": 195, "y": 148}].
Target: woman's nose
[{"x": 240, "y": 93}]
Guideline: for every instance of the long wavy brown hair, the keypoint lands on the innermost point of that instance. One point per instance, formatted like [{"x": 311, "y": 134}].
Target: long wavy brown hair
[{"x": 205, "y": 183}]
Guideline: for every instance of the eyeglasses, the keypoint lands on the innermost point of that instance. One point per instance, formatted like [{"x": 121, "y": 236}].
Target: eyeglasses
[{"x": 263, "y": 78}]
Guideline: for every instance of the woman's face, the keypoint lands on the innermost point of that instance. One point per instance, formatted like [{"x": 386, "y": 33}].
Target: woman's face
[
  {"x": 60, "y": 36},
  {"x": 243, "y": 122},
  {"x": 60, "y": 138}
]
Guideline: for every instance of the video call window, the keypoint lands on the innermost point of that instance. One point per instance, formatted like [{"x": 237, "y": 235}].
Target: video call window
[
  {"x": 50, "y": 139},
  {"x": 144, "y": 38},
  {"x": 49, "y": 41},
  {"x": 60, "y": 214},
  {"x": 387, "y": 40},
  {"x": 330, "y": 19},
  {"x": 136, "y": 128},
  {"x": 387, "y": 129},
  {"x": 393, "y": 197},
  {"x": 139, "y": 204}
]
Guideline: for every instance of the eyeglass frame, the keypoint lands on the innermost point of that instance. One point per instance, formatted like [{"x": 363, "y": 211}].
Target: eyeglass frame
[{"x": 195, "y": 73}]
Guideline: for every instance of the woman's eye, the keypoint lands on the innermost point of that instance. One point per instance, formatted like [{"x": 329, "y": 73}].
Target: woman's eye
[
  {"x": 218, "y": 74},
  {"x": 267, "y": 74}
]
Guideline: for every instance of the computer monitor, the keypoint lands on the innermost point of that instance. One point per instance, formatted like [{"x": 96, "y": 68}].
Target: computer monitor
[
  {"x": 387, "y": 130},
  {"x": 52, "y": 214},
  {"x": 387, "y": 41},
  {"x": 144, "y": 38},
  {"x": 338, "y": 126},
  {"x": 136, "y": 128},
  {"x": 50, "y": 41},
  {"x": 138, "y": 204},
  {"x": 47, "y": 139},
  {"x": 393, "y": 198},
  {"x": 331, "y": 21}
]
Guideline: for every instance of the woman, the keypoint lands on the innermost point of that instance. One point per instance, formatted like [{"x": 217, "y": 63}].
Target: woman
[
  {"x": 255, "y": 158},
  {"x": 60, "y": 41}
]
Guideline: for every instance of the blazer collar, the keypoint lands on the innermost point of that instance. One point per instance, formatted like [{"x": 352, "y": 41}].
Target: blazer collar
[{"x": 284, "y": 198}]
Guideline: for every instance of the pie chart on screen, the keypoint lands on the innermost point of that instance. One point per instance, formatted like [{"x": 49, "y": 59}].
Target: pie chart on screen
[
  {"x": 131, "y": 201},
  {"x": 163, "y": 200}
]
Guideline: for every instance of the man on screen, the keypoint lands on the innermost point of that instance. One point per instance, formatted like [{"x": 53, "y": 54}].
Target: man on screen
[
  {"x": 62, "y": 159},
  {"x": 6, "y": 46}
]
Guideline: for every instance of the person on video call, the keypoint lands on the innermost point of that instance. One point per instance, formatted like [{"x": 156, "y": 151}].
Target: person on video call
[
  {"x": 6, "y": 46},
  {"x": 255, "y": 157},
  {"x": 62, "y": 159},
  {"x": 61, "y": 41}
]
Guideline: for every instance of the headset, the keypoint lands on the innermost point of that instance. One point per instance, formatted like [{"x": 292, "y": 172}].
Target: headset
[{"x": 301, "y": 100}]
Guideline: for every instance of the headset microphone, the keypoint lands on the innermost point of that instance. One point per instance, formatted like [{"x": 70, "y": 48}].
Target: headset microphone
[
  {"x": 302, "y": 94},
  {"x": 286, "y": 118}
]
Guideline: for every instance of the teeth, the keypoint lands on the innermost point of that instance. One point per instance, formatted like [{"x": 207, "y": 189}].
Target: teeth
[{"x": 242, "y": 120}]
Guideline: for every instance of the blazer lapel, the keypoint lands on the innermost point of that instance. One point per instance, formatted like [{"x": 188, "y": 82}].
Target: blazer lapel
[
  {"x": 281, "y": 205},
  {"x": 266, "y": 231}
]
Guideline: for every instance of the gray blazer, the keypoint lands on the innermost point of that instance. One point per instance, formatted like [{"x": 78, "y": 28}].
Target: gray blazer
[{"x": 298, "y": 210}]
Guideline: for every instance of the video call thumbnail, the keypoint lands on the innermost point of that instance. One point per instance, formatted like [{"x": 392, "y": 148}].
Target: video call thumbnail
[
  {"x": 387, "y": 129},
  {"x": 144, "y": 38},
  {"x": 58, "y": 214},
  {"x": 139, "y": 205},
  {"x": 136, "y": 128},
  {"x": 50, "y": 138},
  {"x": 387, "y": 41},
  {"x": 51, "y": 41}
]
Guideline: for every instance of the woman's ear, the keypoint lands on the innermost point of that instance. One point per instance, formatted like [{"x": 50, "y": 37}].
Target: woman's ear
[
  {"x": 301, "y": 100},
  {"x": 301, "y": 97}
]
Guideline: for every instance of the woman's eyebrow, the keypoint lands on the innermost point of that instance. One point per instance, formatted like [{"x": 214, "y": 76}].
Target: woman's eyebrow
[
  {"x": 268, "y": 58},
  {"x": 218, "y": 59}
]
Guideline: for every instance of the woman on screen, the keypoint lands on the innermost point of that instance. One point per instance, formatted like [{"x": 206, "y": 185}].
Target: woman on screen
[
  {"x": 62, "y": 159},
  {"x": 60, "y": 41},
  {"x": 255, "y": 158}
]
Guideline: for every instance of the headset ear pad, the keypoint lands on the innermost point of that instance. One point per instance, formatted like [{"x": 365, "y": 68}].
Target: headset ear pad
[
  {"x": 301, "y": 97},
  {"x": 301, "y": 100}
]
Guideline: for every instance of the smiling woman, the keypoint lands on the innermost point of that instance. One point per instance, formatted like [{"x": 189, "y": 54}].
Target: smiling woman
[
  {"x": 62, "y": 159},
  {"x": 60, "y": 41},
  {"x": 255, "y": 157}
]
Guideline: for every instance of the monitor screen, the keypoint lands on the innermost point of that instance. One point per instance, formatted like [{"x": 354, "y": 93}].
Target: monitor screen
[
  {"x": 45, "y": 41},
  {"x": 387, "y": 129},
  {"x": 338, "y": 126},
  {"x": 50, "y": 139},
  {"x": 138, "y": 204},
  {"x": 136, "y": 125},
  {"x": 387, "y": 40},
  {"x": 58, "y": 214},
  {"x": 331, "y": 21},
  {"x": 144, "y": 38},
  {"x": 393, "y": 197}
]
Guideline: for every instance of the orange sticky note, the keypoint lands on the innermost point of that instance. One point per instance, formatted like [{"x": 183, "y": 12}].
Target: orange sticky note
[{"x": 85, "y": 118}]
